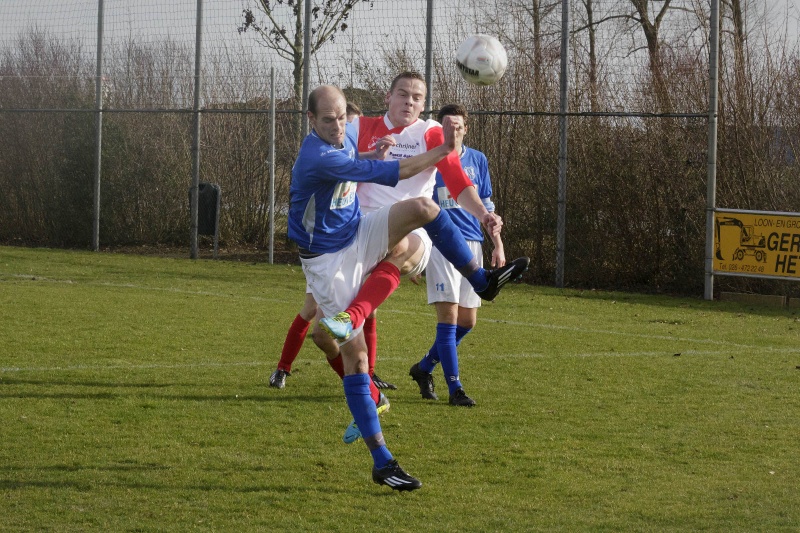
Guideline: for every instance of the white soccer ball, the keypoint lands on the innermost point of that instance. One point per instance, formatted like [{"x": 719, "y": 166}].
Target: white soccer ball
[{"x": 481, "y": 59}]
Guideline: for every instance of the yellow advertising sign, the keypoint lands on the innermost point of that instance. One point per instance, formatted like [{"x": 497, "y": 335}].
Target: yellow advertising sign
[{"x": 757, "y": 243}]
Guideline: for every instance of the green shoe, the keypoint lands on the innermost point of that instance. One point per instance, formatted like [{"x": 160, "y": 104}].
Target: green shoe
[{"x": 339, "y": 327}]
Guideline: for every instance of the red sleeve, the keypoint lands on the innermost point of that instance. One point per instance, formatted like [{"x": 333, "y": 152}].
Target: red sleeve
[
  {"x": 453, "y": 174},
  {"x": 369, "y": 129}
]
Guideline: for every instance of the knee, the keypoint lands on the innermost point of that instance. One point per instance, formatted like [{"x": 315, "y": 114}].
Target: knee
[
  {"x": 400, "y": 251},
  {"x": 467, "y": 320},
  {"x": 319, "y": 338},
  {"x": 425, "y": 209},
  {"x": 325, "y": 343},
  {"x": 309, "y": 311},
  {"x": 407, "y": 254}
]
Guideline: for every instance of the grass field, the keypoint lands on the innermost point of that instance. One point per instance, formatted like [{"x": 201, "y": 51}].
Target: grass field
[{"x": 134, "y": 397}]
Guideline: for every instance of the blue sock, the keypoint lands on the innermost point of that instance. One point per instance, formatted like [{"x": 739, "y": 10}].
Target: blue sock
[
  {"x": 356, "y": 391},
  {"x": 431, "y": 359},
  {"x": 478, "y": 279},
  {"x": 449, "y": 240},
  {"x": 381, "y": 456},
  {"x": 461, "y": 332},
  {"x": 446, "y": 347}
]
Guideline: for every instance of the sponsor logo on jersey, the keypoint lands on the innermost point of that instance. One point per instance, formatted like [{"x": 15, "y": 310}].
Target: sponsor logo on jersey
[
  {"x": 445, "y": 200},
  {"x": 344, "y": 194}
]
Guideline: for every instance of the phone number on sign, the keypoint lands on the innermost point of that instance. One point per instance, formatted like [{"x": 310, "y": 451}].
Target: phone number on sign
[{"x": 734, "y": 267}]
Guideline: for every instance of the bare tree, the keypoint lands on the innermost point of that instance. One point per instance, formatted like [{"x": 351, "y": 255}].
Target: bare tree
[
  {"x": 650, "y": 28},
  {"x": 741, "y": 20},
  {"x": 592, "y": 29},
  {"x": 329, "y": 17}
]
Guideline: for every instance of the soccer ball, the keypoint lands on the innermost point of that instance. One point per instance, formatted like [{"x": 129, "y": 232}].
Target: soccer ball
[{"x": 481, "y": 59}]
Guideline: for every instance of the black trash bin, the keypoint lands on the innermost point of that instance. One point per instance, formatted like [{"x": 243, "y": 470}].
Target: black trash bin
[
  {"x": 208, "y": 209},
  {"x": 208, "y": 202}
]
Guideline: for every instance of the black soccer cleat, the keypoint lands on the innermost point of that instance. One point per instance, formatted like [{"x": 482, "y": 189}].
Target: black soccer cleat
[
  {"x": 500, "y": 276},
  {"x": 382, "y": 384},
  {"x": 460, "y": 398},
  {"x": 278, "y": 378},
  {"x": 425, "y": 382},
  {"x": 394, "y": 476}
]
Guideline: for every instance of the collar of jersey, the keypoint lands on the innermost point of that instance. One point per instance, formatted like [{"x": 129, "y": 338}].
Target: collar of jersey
[
  {"x": 390, "y": 126},
  {"x": 315, "y": 134}
]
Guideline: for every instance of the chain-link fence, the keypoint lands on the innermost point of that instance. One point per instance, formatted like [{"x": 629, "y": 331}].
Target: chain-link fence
[{"x": 637, "y": 98}]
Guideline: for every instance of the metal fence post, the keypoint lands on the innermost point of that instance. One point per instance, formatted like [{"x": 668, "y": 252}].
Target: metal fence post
[
  {"x": 193, "y": 190},
  {"x": 562, "y": 146},
  {"x": 98, "y": 139},
  {"x": 429, "y": 60},
  {"x": 271, "y": 163},
  {"x": 306, "y": 68},
  {"x": 711, "y": 181}
]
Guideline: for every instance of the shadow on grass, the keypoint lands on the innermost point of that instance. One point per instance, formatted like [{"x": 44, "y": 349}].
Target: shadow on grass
[
  {"x": 125, "y": 391},
  {"x": 126, "y": 467},
  {"x": 103, "y": 384},
  {"x": 61, "y": 395},
  {"x": 87, "y": 486}
]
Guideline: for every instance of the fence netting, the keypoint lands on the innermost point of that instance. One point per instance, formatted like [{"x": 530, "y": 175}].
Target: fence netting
[{"x": 638, "y": 100}]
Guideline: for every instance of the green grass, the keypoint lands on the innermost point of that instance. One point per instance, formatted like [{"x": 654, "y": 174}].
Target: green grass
[{"x": 134, "y": 397}]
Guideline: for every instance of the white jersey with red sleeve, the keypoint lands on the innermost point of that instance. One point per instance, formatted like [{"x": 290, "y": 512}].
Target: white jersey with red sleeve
[{"x": 412, "y": 140}]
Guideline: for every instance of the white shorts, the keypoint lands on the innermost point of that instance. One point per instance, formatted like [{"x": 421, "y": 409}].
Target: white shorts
[
  {"x": 419, "y": 268},
  {"x": 426, "y": 254},
  {"x": 446, "y": 284},
  {"x": 335, "y": 278}
]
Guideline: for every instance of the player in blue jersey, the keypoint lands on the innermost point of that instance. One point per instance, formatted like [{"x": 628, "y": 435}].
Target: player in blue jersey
[
  {"x": 342, "y": 252},
  {"x": 345, "y": 256},
  {"x": 455, "y": 300},
  {"x": 296, "y": 335}
]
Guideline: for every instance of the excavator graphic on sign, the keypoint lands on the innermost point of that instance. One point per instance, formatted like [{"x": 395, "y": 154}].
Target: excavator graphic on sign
[{"x": 749, "y": 242}]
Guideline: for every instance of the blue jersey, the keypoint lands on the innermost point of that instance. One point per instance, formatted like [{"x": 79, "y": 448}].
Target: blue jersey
[
  {"x": 323, "y": 207},
  {"x": 477, "y": 168}
]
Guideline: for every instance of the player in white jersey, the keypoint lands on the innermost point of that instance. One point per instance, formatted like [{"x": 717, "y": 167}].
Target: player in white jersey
[{"x": 408, "y": 136}]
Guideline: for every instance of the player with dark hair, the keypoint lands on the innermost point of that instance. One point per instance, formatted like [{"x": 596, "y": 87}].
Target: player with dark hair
[
  {"x": 353, "y": 111},
  {"x": 455, "y": 300},
  {"x": 408, "y": 135}
]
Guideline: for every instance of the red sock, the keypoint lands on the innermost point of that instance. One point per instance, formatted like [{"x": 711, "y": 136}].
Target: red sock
[
  {"x": 337, "y": 365},
  {"x": 380, "y": 284},
  {"x": 294, "y": 341},
  {"x": 374, "y": 393},
  {"x": 371, "y": 337}
]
